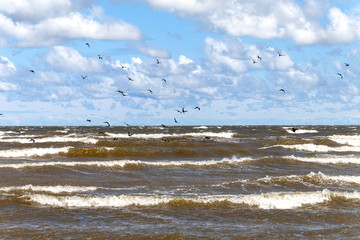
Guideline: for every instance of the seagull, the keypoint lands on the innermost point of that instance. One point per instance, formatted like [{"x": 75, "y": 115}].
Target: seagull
[
  {"x": 175, "y": 120},
  {"x": 197, "y": 108},
  {"x": 88, "y": 120},
  {"x": 347, "y": 64},
  {"x": 130, "y": 79},
  {"x": 294, "y": 129},
  {"x": 100, "y": 57},
  {"x": 157, "y": 61},
  {"x": 32, "y": 71},
  {"x": 121, "y": 92},
  {"x": 162, "y": 125},
  {"x": 279, "y": 54},
  {"x": 32, "y": 140},
  {"x": 178, "y": 111},
  {"x": 183, "y": 110},
  {"x": 259, "y": 57},
  {"x": 83, "y": 77},
  {"x": 341, "y": 76},
  {"x": 150, "y": 91},
  {"x": 107, "y": 123},
  {"x": 282, "y": 90},
  {"x": 164, "y": 80},
  {"x": 122, "y": 66},
  {"x": 87, "y": 44},
  {"x": 130, "y": 134},
  {"x": 254, "y": 61}
]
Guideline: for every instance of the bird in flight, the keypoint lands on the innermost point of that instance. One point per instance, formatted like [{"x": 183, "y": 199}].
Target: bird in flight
[
  {"x": 157, "y": 61},
  {"x": 280, "y": 54},
  {"x": 164, "y": 80},
  {"x": 88, "y": 120},
  {"x": 130, "y": 79},
  {"x": 32, "y": 71},
  {"x": 121, "y": 92},
  {"x": 122, "y": 66},
  {"x": 83, "y": 77},
  {"x": 197, "y": 108},
  {"x": 282, "y": 90},
  {"x": 107, "y": 123},
  {"x": 183, "y": 110},
  {"x": 253, "y": 61},
  {"x": 100, "y": 57},
  {"x": 259, "y": 57},
  {"x": 130, "y": 134},
  {"x": 347, "y": 64},
  {"x": 175, "y": 120},
  {"x": 32, "y": 140},
  {"x": 150, "y": 91},
  {"x": 87, "y": 44},
  {"x": 341, "y": 76}
]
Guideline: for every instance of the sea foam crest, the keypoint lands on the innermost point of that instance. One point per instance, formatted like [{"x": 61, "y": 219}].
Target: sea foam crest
[
  {"x": 299, "y": 131},
  {"x": 30, "y": 152},
  {"x": 122, "y": 163},
  {"x": 275, "y": 200},
  {"x": 327, "y": 159},
  {"x": 310, "y": 147},
  {"x": 51, "y": 189},
  {"x": 352, "y": 140},
  {"x": 26, "y": 139},
  {"x": 164, "y": 135}
]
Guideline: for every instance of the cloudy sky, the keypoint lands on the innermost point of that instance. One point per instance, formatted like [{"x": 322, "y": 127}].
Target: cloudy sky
[{"x": 230, "y": 58}]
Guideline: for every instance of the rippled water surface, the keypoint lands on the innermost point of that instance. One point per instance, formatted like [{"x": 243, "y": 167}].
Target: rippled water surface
[{"x": 202, "y": 182}]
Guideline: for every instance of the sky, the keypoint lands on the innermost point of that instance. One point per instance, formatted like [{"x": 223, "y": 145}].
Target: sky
[{"x": 229, "y": 58}]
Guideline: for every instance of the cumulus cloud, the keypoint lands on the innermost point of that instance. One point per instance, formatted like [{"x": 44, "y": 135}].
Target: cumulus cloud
[
  {"x": 64, "y": 59},
  {"x": 270, "y": 19},
  {"x": 6, "y": 67},
  {"x": 55, "y": 26},
  {"x": 153, "y": 51}
]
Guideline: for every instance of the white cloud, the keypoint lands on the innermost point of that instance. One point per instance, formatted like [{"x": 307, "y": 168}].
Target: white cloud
[
  {"x": 5, "y": 86},
  {"x": 66, "y": 59},
  {"x": 153, "y": 51},
  {"x": 6, "y": 67},
  {"x": 184, "y": 60},
  {"x": 136, "y": 60}
]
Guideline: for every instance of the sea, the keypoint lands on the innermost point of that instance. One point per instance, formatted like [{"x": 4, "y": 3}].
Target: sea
[{"x": 180, "y": 182}]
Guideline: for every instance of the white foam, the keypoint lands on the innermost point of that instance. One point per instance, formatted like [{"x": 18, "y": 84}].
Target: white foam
[
  {"x": 328, "y": 159},
  {"x": 26, "y": 139},
  {"x": 276, "y": 200},
  {"x": 31, "y": 152},
  {"x": 310, "y": 147},
  {"x": 122, "y": 163},
  {"x": 200, "y": 127},
  {"x": 51, "y": 189},
  {"x": 163, "y": 135},
  {"x": 352, "y": 140},
  {"x": 299, "y": 131}
]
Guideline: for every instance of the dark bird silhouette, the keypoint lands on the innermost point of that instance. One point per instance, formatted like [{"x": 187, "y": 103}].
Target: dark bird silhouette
[
  {"x": 178, "y": 111},
  {"x": 347, "y": 64},
  {"x": 121, "y": 92},
  {"x": 130, "y": 79},
  {"x": 100, "y": 57},
  {"x": 183, "y": 110},
  {"x": 122, "y": 66},
  {"x": 88, "y": 120},
  {"x": 253, "y": 61},
  {"x": 1, "y": 114},
  {"x": 130, "y": 134},
  {"x": 126, "y": 124},
  {"x": 341, "y": 76},
  {"x": 32, "y": 140},
  {"x": 107, "y": 123},
  {"x": 150, "y": 91},
  {"x": 197, "y": 108},
  {"x": 157, "y": 61},
  {"x": 32, "y": 71},
  {"x": 280, "y": 54},
  {"x": 164, "y": 80},
  {"x": 294, "y": 129},
  {"x": 259, "y": 57},
  {"x": 175, "y": 120},
  {"x": 282, "y": 90},
  {"x": 87, "y": 44},
  {"x": 83, "y": 77},
  {"x": 162, "y": 125}
]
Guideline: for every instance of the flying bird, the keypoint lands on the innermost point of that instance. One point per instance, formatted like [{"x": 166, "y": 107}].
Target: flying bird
[
  {"x": 164, "y": 80},
  {"x": 87, "y": 44},
  {"x": 107, "y": 123},
  {"x": 150, "y": 91},
  {"x": 280, "y": 54},
  {"x": 175, "y": 120},
  {"x": 122, "y": 66},
  {"x": 294, "y": 129},
  {"x": 253, "y": 61},
  {"x": 83, "y": 77},
  {"x": 347, "y": 64},
  {"x": 130, "y": 79},
  {"x": 32, "y": 71},
  {"x": 100, "y": 57},
  {"x": 32, "y": 140},
  {"x": 157, "y": 61},
  {"x": 178, "y": 111},
  {"x": 183, "y": 110},
  {"x": 121, "y": 92},
  {"x": 88, "y": 120},
  {"x": 259, "y": 57},
  {"x": 130, "y": 134},
  {"x": 282, "y": 90},
  {"x": 197, "y": 108},
  {"x": 341, "y": 76}
]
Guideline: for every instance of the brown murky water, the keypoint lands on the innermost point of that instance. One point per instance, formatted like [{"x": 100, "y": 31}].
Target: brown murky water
[{"x": 207, "y": 182}]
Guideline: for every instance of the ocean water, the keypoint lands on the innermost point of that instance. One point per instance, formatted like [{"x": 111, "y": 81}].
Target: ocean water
[{"x": 193, "y": 182}]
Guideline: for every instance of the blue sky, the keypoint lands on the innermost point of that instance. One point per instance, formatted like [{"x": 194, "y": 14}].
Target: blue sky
[{"x": 206, "y": 50}]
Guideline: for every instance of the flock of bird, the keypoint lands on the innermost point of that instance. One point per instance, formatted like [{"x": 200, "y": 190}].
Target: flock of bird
[{"x": 182, "y": 111}]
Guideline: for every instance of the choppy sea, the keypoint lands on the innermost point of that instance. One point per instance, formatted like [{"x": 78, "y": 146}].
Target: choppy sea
[{"x": 186, "y": 182}]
